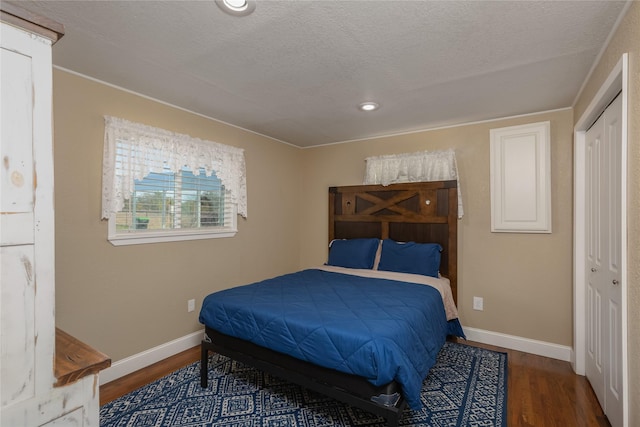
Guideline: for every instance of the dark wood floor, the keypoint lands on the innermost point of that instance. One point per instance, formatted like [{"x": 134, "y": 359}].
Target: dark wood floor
[{"x": 541, "y": 391}]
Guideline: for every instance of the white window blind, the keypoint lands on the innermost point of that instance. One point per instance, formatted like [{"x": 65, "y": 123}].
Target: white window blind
[{"x": 157, "y": 184}]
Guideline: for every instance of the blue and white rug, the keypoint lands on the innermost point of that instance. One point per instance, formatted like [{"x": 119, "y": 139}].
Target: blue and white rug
[{"x": 466, "y": 387}]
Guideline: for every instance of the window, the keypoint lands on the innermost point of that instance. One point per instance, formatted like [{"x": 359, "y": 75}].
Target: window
[
  {"x": 172, "y": 201},
  {"x": 160, "y": 186},
  {"x": 422, "y": 166}
]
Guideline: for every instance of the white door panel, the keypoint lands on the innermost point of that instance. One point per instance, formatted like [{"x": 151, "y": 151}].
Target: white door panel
[
  {"x": 594, "y": 370},
  {"x": 604, "y": 249},
  {"x": 613, "y": 373}
]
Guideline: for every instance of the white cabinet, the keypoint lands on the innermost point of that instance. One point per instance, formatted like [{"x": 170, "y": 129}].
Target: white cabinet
[
  {"x": 521, "y": 179},
  {"x": 30, "y": 392}
]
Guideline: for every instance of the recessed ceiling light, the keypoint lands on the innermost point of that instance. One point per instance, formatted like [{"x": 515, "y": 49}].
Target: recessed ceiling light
[
  {"x": 368, "y": 106},
  {"x": 237, "y": 7}
]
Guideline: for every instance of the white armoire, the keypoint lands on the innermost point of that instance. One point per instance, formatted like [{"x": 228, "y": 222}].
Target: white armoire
[{"x": 47, "y": 378}]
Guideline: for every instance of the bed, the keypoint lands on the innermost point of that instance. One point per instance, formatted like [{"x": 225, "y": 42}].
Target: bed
[{"x": 366, "y": 327}]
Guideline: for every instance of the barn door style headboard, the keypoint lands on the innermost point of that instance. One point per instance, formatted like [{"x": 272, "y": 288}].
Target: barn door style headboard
[{"x": 422, "y": 212}]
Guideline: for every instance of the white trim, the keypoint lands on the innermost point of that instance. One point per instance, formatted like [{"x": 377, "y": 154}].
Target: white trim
[
  {"x": 163, "y": 237},
  {"x": 159, "y": 101},
  {"x": 615, "y": 82},
  {"x": 540, "y": 348},
  {"x": 435, "y": 128},
  {"x": 148, "y": 357},
  {"x": 426, "y": 129},
  {"x": 624, "y": 274},
  {"x": 578, "y": 361}
]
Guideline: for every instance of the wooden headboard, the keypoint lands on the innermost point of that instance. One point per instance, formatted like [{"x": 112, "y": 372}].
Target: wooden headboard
[{"x": 422, "y": 212}]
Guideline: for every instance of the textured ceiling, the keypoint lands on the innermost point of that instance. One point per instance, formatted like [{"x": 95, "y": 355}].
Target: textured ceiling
[{"x": 296, "y": 70}]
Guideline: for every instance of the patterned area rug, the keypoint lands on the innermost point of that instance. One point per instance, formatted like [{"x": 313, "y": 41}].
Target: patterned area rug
[{"x": 466, "y": 387}]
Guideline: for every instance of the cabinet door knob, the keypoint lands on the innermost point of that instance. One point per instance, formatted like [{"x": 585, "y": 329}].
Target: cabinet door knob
[
  {"x": 593, "y": 269},
  {"x": 615, "y": 282}
]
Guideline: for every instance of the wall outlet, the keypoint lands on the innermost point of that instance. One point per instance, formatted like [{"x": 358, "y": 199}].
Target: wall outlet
[
  {"x": 191, "y": 305},
  {"x": 478, "y": 303}
]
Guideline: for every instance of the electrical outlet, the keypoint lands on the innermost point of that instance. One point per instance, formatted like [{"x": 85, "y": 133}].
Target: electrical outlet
[
  {"x": 191, "y": 305},
  {"x": 478, "y": 303}
]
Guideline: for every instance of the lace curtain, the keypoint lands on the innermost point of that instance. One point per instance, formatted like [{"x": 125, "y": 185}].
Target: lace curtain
[
  {"x": 414, "y": 167},
  {"x": 148, "y": 144}
]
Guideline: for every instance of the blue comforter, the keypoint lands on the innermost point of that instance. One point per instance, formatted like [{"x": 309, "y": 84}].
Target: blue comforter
[{"x": 379, "y": 329}]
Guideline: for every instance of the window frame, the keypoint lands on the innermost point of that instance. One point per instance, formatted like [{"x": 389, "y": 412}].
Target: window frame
[{"x": 137, "y": 237}]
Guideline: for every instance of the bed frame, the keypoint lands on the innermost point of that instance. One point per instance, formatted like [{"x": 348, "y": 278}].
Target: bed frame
[{"x": 425, "y": 212}]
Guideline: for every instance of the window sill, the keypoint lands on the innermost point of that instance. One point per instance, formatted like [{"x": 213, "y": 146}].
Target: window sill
[{"x": 146, "y": 237}]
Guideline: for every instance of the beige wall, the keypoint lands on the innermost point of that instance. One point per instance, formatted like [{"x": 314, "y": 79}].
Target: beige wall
[
  {"x": 627, "y": 40},
  {"x": 525, "y": 279},
  {"x": 127, "y": 299},
  {"x": 124, "y": 300}
]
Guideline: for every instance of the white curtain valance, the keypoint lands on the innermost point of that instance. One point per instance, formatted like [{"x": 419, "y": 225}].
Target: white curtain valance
[
  {"x": 414, "y": 167},
  {"x": 175, "y": 151}
]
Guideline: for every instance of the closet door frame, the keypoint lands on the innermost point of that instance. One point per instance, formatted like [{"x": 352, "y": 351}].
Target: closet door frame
[{"x": 615, "y": 83}]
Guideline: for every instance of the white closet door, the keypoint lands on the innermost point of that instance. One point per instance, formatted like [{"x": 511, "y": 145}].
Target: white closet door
[
  {"x": 613, "y": 276},
  {"x": 604, "y": 295},
  {"x": 596, "y": 250}
]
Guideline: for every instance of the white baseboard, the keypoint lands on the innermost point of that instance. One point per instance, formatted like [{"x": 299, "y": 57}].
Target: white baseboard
[
  {"x": 149, "y": 357},
  {"x": 541, "y": 348}
]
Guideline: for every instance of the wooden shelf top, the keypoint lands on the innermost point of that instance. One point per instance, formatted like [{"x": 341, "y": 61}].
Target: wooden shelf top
[{"x": 75, "y": 359}]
